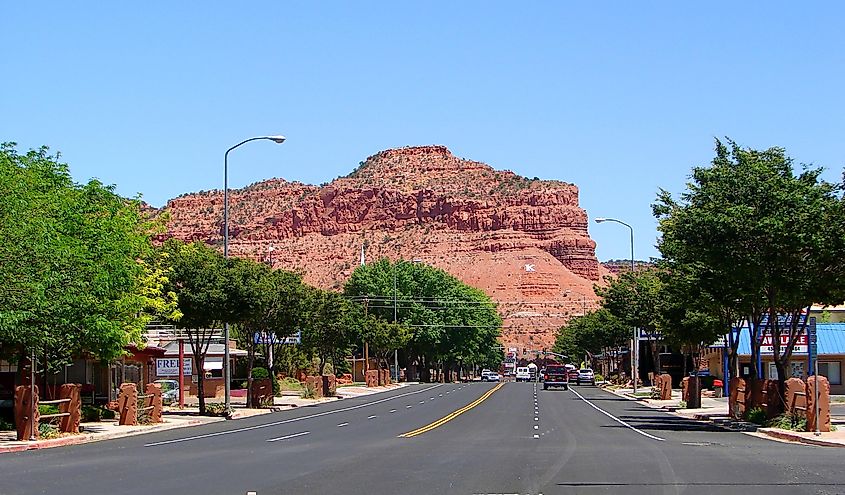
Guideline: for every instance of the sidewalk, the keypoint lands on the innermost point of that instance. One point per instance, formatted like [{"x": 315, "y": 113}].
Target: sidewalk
[
  {"x": 180, "y": 418},
  {"x": 715, "y": 411},
  {"x": 103, "y": 430}
]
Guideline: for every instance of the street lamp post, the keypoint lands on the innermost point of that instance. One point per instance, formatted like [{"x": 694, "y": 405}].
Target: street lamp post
[
  {"x": 226, "y": 368},
  {"x": 635, "y": 348}
]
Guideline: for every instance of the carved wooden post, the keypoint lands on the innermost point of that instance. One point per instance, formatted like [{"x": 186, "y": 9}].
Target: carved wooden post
[
  {"x": 127, "y": 404},
  {"x": 736, "y": 402},
  {"x": 70, "y": 424},
  {"x": 154, "y": 391},
  {"x": 27, "y": 425},
  {"x": 824, "y": 404}
]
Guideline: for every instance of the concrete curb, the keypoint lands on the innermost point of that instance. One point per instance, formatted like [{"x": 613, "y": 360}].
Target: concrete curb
[
  {"x": 793, "y": 437},
  {"x": 84, "y": 438}
]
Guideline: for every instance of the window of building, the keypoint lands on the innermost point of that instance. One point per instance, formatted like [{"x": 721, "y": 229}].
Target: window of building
[
  {"x": 796, "y": 368},
  {"x": 832, "y": 370},
  {"x": 7, "y": 367}
]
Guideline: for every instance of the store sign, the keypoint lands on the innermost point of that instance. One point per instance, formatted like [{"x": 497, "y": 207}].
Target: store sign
[
  {"x": 801, "y": 344},
  {"x": 170, "y": 366}
]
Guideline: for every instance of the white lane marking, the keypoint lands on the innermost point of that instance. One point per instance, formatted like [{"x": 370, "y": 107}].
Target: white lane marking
[
  {"x": 614, "y": 418},
  {"x": 422, "y": 402},
  {"x": 289, "y": 436},
  {"x": 536, "y": 419},
  {"x": 536, "y": 436},
  {"x": 292, "y": 420},
  {"x": 392, "y": 410},
  {"x": 431, "y": 398},
  {"x": 440, "y": 395},
  {"x": 408, "y": 406},
  {"x": 372, "y": 417},
  {"x": 536, "y": 427},
  {"x": 341, "y": 425}
]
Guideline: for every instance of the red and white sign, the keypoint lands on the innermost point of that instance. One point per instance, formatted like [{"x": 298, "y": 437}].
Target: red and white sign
[{"x": 801, "y": 347}]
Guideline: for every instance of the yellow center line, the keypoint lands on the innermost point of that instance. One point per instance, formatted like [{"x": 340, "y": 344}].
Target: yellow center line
[{"x": 452, "y": 415}]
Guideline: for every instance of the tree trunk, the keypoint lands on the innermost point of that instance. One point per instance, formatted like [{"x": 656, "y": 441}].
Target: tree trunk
[
  {"x": 249, "y": 364},
  {"x": 200, "y": 382}
]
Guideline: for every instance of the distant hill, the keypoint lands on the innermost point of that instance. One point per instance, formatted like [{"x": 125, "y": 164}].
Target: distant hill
[{"x": 523, "y": 241}]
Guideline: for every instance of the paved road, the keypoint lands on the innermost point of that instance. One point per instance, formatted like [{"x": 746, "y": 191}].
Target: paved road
[{"x": 585, "y": 441}]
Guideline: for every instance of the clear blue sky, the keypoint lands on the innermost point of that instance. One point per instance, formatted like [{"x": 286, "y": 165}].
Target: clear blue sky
[{"x": 621, "y": 99}]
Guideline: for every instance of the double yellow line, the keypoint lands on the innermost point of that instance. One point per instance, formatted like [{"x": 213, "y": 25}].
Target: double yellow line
[{"x": 453, "y": 415}]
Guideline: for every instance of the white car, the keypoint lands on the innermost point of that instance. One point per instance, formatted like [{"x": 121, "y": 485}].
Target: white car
[
  {"x": 586, "y": 375},
  {"x": 492, "y": 377},
  {"x": 523, "y": 375}
]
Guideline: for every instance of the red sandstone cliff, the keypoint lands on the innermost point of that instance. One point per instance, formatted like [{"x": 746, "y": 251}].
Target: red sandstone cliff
[{"x": 523, "y": 241}]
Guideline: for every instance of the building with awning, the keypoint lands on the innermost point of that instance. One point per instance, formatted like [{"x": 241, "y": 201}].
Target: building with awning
[{"x": 167, "y": 366}]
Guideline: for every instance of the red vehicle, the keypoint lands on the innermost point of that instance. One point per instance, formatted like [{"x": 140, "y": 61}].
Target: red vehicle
[
  {"x": 555, "y": 375},
  {"x": 572, "y": 371}
]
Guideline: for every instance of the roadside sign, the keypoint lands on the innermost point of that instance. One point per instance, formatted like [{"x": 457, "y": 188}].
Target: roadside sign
[
  {"x": 801, "y": 344},
  {"x": 170, "y": 366},
  {"x": 272, "y": 338}
]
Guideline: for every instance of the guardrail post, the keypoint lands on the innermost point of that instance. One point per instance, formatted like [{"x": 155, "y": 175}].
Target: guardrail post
[
  {"x": 127, "y": 404},
  {"x": 153, "y": 401},
  {"x": 73, "y": 406},
  {"x": 27, "y": 426}
]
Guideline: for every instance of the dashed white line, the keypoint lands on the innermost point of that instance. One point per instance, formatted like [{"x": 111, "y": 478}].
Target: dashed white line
[
  {"x": 392, "y": 410},
  {"x": 536, "y": 427},
  {"x": 292, "y": 420},
  {"x": 289, "y": 436},
  {"x": 341, "y": 425},
  {"x": 536, "y": 436},
  {"x": 408, "y": 406},
  {"x": 372, "y": 417},
  {"x": 536, "y": 419},
  {"x": 422, "y": 402}
]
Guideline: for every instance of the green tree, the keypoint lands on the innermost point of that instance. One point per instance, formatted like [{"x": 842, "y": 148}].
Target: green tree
[
  {"x": 768, "y": 241},
  {"x": 633, "y": 298},
  {"x": 596, "y": 332},
  {"x": 73, "y": 261},
  {"x": 453, "y": 325},
  {"x": 198, "y": 276},
  {"x": 266, "y": 305},
  {"x": 332, "y": 324}
]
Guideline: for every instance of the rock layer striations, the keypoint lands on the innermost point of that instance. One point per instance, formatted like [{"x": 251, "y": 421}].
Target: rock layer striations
[{"x": 524, "y": 242}]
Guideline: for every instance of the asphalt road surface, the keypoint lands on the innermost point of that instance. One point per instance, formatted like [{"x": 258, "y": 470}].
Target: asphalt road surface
[{"x": 476, "y": 438}]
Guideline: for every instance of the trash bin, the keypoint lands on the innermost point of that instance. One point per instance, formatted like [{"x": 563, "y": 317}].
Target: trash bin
[{"x": 718, "y": 387}]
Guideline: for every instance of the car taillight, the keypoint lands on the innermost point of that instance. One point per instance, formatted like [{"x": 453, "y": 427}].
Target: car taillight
[{"x": 545, "y": 377}]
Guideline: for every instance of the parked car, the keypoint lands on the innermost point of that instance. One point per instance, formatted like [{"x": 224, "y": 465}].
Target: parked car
[
  {"x": 555, "y": 375},
  {"x": 586, "y": 375},
  {"x": 493, "y": 377},
  {"x": 169, "y": 391},
  {"x": 485, "y": 373},
  {"x": 523, "y": 375}
]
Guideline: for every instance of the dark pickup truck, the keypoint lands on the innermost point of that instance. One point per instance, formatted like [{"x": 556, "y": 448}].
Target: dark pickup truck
[{"x": 555, "y": 376}]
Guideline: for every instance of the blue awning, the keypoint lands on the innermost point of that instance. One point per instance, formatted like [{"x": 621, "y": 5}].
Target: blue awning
[{"x": 830, "y": 338}]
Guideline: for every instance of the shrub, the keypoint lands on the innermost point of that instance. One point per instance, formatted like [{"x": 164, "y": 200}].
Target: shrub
[
  {"x": 682, "y": 404},
  {"x": 308, "y": 391},
  {"x": 756, "y": 416},
  {"x": 91, "y": 414},
  {"x": 43, "y": 410},
  {"x": 217, "y": 409},
  {"x": 260, "y": 373},
  {"x": 6, "y": 426},
  {"x": 788, "y": 421},
  {"x": 47, "y": 431},
  {"x": 108, "y": 414},
  {"x": 599, "y": 377},
  {"x": 290, "y": 383}
]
